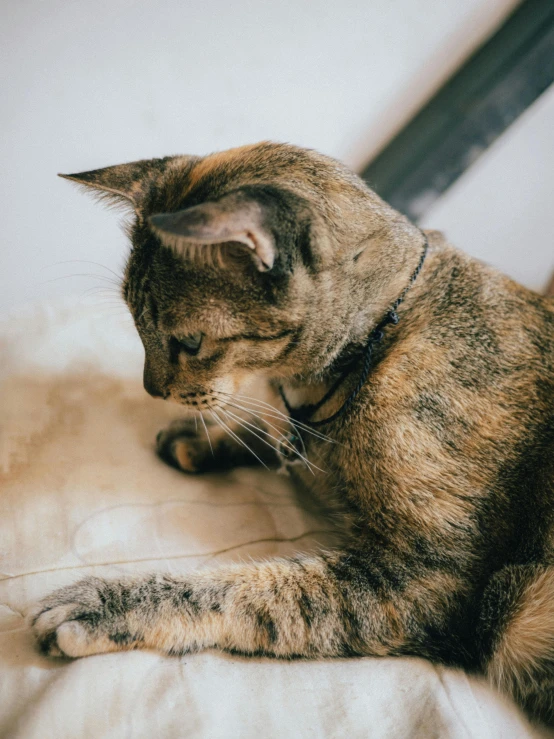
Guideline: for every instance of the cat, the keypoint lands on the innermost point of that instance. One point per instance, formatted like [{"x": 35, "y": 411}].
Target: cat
[{"x": 419, "y": 384}]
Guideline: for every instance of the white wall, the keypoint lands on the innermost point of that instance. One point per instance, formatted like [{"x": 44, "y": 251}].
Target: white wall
[{"x": 87, "y": 83}]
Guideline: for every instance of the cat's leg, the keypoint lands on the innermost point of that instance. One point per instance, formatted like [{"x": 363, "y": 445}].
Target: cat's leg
[
  {"x": 336, "y": 604},
  {"x": 517, "y": 636},
  {"x": 195, "y": 447}
]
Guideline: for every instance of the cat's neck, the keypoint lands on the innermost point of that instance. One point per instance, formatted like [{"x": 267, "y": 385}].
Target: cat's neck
[{"x": 337, "y": 379}]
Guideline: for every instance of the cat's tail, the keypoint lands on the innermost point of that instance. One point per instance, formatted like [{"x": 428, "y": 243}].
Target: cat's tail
[{"x": 517, "y": 636}]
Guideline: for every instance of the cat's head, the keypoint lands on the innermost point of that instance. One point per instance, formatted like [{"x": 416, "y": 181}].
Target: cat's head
[{"x": 266, "y": 259}]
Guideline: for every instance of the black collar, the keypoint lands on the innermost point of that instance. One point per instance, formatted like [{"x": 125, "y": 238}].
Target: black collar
[{"x": 304, "y": 413}]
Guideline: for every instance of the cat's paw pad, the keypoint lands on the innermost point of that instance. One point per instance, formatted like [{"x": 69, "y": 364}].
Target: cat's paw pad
[
  {"x": 180, "y": 446},
  {"x": 75, "y": 621}
]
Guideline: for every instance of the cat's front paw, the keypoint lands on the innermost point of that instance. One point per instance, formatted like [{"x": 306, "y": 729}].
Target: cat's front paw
[
  {"x": 181, "y": 446},
  {"x": 82, "y": 619}
]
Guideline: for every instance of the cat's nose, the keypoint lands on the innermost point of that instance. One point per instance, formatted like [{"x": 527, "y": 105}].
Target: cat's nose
[
  {"x": 154, "y": 392},
  {"x": 154, "y": 388}
]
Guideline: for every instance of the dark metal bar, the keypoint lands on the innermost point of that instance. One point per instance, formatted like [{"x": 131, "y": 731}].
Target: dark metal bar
[{"x": 471, "y": 110}]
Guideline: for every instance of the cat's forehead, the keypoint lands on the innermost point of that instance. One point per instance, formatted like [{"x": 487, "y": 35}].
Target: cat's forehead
[
  {"x": 186, "y": 297},
  {"x": 194, "y": 179},
  {"x": 199, "y": 296},
  {"x": 218, "y": 315}
]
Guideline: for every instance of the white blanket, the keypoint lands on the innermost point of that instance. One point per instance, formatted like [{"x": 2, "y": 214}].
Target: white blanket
[{"x": 82, "y": 492}]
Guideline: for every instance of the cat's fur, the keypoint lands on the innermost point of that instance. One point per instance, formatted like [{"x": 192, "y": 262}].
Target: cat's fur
[{"x": 443, "y": 468}]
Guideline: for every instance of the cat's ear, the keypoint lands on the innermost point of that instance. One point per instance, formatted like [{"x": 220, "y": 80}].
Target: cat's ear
[
  {"x": 123, "y": 183},
  {"x": 238, "y": 217}
]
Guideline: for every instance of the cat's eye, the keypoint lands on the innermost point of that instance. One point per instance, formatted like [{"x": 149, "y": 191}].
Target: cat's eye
[{"x": 190, "y": 344}]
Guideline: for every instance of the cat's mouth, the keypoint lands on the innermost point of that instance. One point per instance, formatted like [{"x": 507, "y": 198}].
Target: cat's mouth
[
  {"x": 200, "y": 402},
  {"x": 227, "y": 409}
]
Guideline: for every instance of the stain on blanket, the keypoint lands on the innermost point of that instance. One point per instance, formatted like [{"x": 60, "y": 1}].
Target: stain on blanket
[{"x": 77, "y": 449}]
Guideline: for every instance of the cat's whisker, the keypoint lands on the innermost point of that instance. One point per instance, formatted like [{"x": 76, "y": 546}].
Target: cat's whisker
[
  {"x": 264, "y": 421},
  {"x": 256, "y": 403},
  {"x": 102, "y": 290},
  {"x": 231, "y": 433},
  {"x": 88, "y": 261},
  {"x": 207, "y": 434},
  {"x": 103, "y": 297},
  {"x": 267, "y": 414},
  {"x": 105, "y": 278},
  {"x": 116, "y": 290},
  {"x": 278, "y": 429},
  {"x": 256, "y": 413},
  {"x": 282, "y": 416},
  {"x": 109, "y": 280},
  {"x": 244, "y": 423}
]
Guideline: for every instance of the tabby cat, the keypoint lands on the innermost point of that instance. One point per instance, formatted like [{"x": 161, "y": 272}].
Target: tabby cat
[{"x": 418, "y": 385}]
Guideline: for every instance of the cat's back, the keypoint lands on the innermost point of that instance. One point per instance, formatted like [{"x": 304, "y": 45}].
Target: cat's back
[{"x": 503, "y": 332}]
